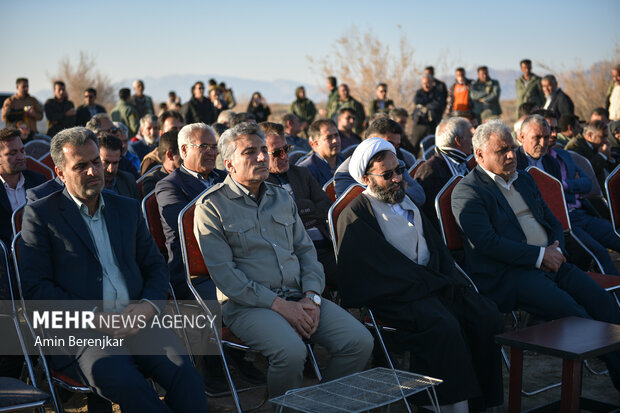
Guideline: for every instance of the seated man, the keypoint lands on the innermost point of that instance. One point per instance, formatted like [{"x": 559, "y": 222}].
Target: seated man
[
  {"x": 292, "y": 128},
  {"x": 149, "y": 131},
  {"x": 169, "y": 120},
  {"x": 390, "y": 131},
  {"x": 82, "y": 244},
  {"x": 346, "y": 122},
  {"x": 391, "y": 258},
  {"x": 312, "y": 202},
  {"x": 514, "y": 246},
  {"x": 325, "y": 156},
  {"x": 537, "y": 150},
  {"x": 117, "y": 181},
  {"x": 168, "y": 149},
  {"x": 14, "y": 179},
  {"x": 453, "y": 146},
  {"x": 261, "y": 258}
]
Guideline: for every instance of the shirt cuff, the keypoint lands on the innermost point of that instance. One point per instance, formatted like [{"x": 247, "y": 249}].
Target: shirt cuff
[
  {"x": 151, "y": 303},
  {"x": 540, "y": 257}
]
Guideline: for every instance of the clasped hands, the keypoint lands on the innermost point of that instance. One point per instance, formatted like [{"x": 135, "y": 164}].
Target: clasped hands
[{"x": 302, "y": 315}]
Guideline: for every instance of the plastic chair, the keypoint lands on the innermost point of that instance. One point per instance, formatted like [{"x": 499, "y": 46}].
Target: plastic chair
[
  {"x": 330, "y": 189},
  {"x": 15, "y": 394},
  {"x": 429, "y": 153},
  {"x": 348, "y": 151},
  {"x": 612, "y": 190},
  {"x": 338, "y": 206},
  {"x": 195, "y": 268},
  {"x": 140, "y": 181},
  {"x": 16, "y": 219},
  {"x": 37, "y": 148},
  {"x": 427, "y": 142},
  {"x": 36, "y": 166},
  {"x": 47, "y": 161},
  {"x": 296, "y": 156},
  {"x": 471, "y": 162},
  {"x": 150, "y": 210},
  {"x": 415, "y": 166}
]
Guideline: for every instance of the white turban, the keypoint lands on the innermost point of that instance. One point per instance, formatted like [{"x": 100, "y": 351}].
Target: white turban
[{"x": 364, "y": 153}]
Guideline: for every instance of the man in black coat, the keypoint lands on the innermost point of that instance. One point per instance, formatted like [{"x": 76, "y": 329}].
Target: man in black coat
[
  {"x": 198, "y": 108},
  {"x": 391, "y": 259},
  {"x": 89, "y": 109},
  {"x": 14, "y": 179},
  {"x": 556, "y": 100}
]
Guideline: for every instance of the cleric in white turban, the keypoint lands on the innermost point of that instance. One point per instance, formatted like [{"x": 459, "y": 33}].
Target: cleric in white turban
[{"x": 364, "y": 153}]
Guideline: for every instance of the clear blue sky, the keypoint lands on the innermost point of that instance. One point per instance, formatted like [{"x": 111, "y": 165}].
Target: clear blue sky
[{"x": 270, "y": 40}]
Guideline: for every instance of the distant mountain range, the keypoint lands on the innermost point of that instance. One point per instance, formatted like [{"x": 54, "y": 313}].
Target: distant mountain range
[{"x": 276, "y": 91}]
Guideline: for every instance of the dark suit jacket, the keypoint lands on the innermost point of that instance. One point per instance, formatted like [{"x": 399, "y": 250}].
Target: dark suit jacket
[
  {"x": 599, "y": 164},
  {"x": 552, "y": 167},
  {"x": 141, "y": 148},
  {"x": 45, "y": 189},
  {"x": 561, "y": 104},
  {"x": 432, "y": 175},
  {"x": 82, "y": 114},
  {"x": 125, "y": 185},
  {"x": 58, "y": 259},
  {"x": 173, "y": 193},
  {"x": 312, "y": 202},
  {"x": 31, "y": 179},
  {"x": 495, "y": 245},
  {"x": 151, "y": 179}
]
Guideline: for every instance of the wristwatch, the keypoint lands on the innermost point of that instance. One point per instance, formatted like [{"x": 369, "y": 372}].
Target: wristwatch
[{"x": 316, "y": 299}]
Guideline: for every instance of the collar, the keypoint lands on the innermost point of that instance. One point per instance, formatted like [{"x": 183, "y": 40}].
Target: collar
[
  {"x": 196, "y": 174},
  {"x": 453, "y": 153},
  {"x": 20, "y": 182},
  {"x": 499, "y": 180},
  {"x": 84, "y": 209},
  {"x": 246, "y": 191}
]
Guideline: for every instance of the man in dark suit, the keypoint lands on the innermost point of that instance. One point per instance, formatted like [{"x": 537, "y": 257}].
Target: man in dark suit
[
  {"x": 168, "y": 149},
  {"x": 514, "y": 246},
  {"x": 14, "y": 179},
  {"x": 89, "y": 109},
  {"x": 312, "y": 202},
  {"x": 116, "y": 180},
  {"x": 556, "y": 100},
  {"x": 82, "y": 244},
  {"x": 452, "y": 147}
]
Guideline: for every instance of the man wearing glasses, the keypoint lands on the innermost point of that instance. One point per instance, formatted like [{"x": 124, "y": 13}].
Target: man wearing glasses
[
  {"x": 312, "y": 202},
  {"x": 89, "y": 109},
  {"x": 393, "y": 260}
]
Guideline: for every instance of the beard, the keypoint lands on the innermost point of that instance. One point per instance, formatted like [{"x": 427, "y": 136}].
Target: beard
[{"x": 393, "y": 194}]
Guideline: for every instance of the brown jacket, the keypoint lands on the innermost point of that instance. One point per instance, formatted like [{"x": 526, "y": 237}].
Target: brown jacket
[{"x": 13, "y": 111}]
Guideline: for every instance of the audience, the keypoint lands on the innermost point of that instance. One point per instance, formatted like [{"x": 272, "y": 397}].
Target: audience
[
  {"x": 198, "y": 108},
  {"x": 325, "y": 156},
  {"x": 59, "y": 110},
  {"x": 556, "y": 100},
  {"x": 126, "y": 112},
  {"x": 303, "y": 108},
  {"x": 142, "y": 102},
  {"x": 149, "y": 132},
  {"x": 22, "y": 106},
  {"x": 89, "y": 109},
  {"x": 346, "y": 122},
  {"x": 344, "y": 100}
]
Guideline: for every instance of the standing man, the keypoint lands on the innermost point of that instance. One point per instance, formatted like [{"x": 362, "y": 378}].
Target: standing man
[
  {"x": 485, "y": 93},
  {"x": 555, "y": 99},
  {"x": 381, "y": 104},
  {"x": 529, "y": 87},
  {"x": 612, "y": 100},
  {"x": 429, "y": 103},
  {"x": 142, "y": 102},
  {"x": 198, "y": 108},
  {"x": 14, "y": 179},
  {"x": 22, "y": 106},
  {"x": 325, "y": 157},
  {"x": 89, "y": 109},
  {"x": 441, "y": 86},
  {"x": 59, "y": 110},
  {"x": 332, "y": 94},
  {"x": 85, "y": 244},
  {"x": 303, "y": 108},
  {"x": 126, "y": 112},
  {"x": 346, "y": 101},
  {"x": 346, "y": 122},
  {"x": 261, "y": 258},
  {"x": 458, "y": 95}
]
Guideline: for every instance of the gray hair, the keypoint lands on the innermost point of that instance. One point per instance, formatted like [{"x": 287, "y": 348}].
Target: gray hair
[
  {"x": 449, "y": 129},
  {"x": 483, "y": 133},
  {"x": 123, "y": 128},
  {"x": 148, "y": 118},
  {"x": 227, "y": 145},
  {"x": 225, "y": 116},
  {"x": 76, "y": 136},
  {"x": 94, "y": 124},
  {"x": 533, "y": 119},
  {"x": 188, "y": 130}
]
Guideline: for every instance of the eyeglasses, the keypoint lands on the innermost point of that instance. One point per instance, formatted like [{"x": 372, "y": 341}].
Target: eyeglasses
[
  {"x": 112, "y": 130},
  {"x": 280, "y": 151},
  {"x": 204, "y": 146},
  {"x": 387, "y": 175}
]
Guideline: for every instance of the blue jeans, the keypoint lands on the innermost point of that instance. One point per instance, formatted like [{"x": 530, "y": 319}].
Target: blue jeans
[{"x": 598, "y": 235}]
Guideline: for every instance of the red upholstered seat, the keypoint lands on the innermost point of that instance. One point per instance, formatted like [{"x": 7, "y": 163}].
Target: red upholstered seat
[
  {"x": 47, "y": 161},
  {"x": 415, "y": 167},
  {"x": 66, "y": 380},
  {"x": 150, "y": 209},
  {"x": 195, "y": 260},
  {"x": 443, "y": 205},
  {"x": 330, "y": 189},
  {"x": 334, "y": 212},
  {"x": 612, "y": 187},
  {"x": 607, "y": 282},
  {"x": 553, "y": 194},
  {"x": 38, "y": 167}
]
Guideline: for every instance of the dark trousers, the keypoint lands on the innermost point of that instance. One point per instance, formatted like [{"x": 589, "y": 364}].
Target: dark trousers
[{"x": 598, "y": 235}]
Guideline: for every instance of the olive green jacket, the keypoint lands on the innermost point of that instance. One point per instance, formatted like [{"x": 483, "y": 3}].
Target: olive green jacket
[{"x": 530, "y": 92}]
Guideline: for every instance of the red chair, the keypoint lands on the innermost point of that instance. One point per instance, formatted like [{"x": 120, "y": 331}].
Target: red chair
[
  {"x": 415, "y": 166},
  {"x": 334, "y": 212},
  {"x": 553, "y": 193},
  {"x": 47, "y": 161},
  {"x": 16, "y": 220},
  {"x": 195, "y": 267},
  {"x": 140, "y": 181},
  {"x": 150, "y": 210},
  {"x": 330, "y": 189},
  {"x": 612, "y": 190},
  {"x": 471, "y": 162},
  {"x": 38, "y": 167}
]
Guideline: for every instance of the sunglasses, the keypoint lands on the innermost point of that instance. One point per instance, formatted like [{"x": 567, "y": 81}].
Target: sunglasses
[
  {"x": 280, "y": 151},
  {"x": 387, "y": 175}
]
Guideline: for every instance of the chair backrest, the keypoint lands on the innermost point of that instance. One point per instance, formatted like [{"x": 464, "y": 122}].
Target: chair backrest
[
  {"x": 37, "y": 148},
  {"x": 47, "y": 161},
  {"x": 471, "y": 162},
  {"x": 415, "y": 167},
  {"x": 429, "y": 152},
  {"x": 348, "y": 151},
  {"x": 427, "y": 142},
  {"x": 553, "y": 194},
  {"x": 612, "y": 190},
  {"x": 16, "y": 219},
  {"x": 36, "y": 166},
  {"x": 150, "y": 210},
  {"x": 190, "y": 251},
  {"x": 334, "y": 212},
  {"x": 330, "y": 189},
  {"x": 447, "y": 222},
  {"x": 296, "y": 156},
  {"x": 584, "y": 164}
]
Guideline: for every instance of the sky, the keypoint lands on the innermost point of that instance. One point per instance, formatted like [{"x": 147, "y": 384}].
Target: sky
[{"x": 269, "y": 40}]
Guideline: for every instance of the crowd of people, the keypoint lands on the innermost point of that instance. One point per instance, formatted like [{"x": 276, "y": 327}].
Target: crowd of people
[{"x": 261, "y": 225}]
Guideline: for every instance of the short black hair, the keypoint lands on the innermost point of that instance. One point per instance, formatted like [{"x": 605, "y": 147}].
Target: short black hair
[
  {"x": 486, "y": 69},
  {"x": 59, "y": 83},
  {"x": 168, "y": 142},
  {"x": 21, "y": 80},
  {"x": 601, "y": 112},
  {"x": 110, "y": 142},
  {"x": 8, "y": 134},
  {"x": 124, "y": 93},
  {"x": 169, "y": 114},
  {"x": 383, "y": 126},
  {"x": 526, "y": 61},
  {"x": 526, "y": 108},
  {"x": 91, "y": 90},
  {"x": 346, "y": 109},
  {"x": 430, "y": 69},
  {"x": 547, "y": 114},
  {"x": 238, "y": 118},
  {"x": 378, "y": 157},
  {"x": 332, "y": 81},
  {"x": 566, "y": 121}
]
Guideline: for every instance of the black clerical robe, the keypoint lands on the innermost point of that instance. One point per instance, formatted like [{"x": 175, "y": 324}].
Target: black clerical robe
[{"x": 448, "y": 328}]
